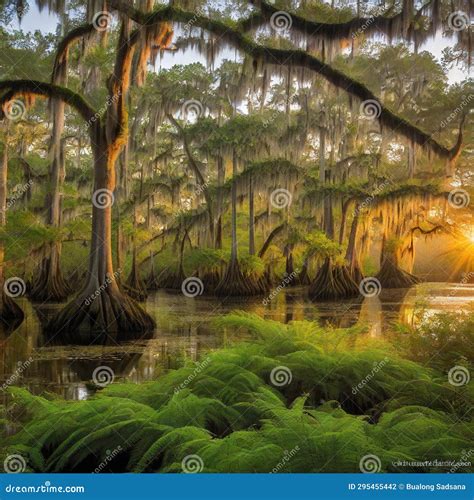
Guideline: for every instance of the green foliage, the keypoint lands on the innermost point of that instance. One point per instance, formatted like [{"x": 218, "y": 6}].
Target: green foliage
[
  {"x": 227, "y": 410},
  {"x": 319, "y": 244},
  {"x": 442, "y": 341}
]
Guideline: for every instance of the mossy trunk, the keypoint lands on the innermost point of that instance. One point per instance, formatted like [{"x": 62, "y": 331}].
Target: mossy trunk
[
  {"x": 11, "y": 314},
  {"x": 234, "y": 282},
  {"x": 134, "y": 285},
  {"x": 251, "y": 219},
  {"x": 101, "y": 308},
  {"x": 49, "y": 285}
]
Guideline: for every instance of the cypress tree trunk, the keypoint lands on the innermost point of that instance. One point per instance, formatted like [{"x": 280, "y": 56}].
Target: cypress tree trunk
[
  {"x": 101, "y": 307},
  {"x": 251, "y": 219},
  {"x": 49, "y": 284},
  {"x": 10, "y": 313}
]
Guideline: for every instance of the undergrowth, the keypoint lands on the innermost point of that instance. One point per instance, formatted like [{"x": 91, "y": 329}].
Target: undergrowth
[{"x": 297, "y": 398}]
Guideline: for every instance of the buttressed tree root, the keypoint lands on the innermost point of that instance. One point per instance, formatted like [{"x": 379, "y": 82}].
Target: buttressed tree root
[{"x": 333, "y": 282}]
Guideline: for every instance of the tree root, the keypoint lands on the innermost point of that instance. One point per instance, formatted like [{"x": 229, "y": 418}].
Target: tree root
[
  {"x": 135, "y": 287},
  {"x": 235, "y": 283},
  {"x": 104, "y": 313},
  {"x": 333, "y": 283},
  {"x": 210, "y": 280},
  {"x": 392, "y": 276},
  {"x": 49, "y": 284},
  {"x": 171, "y": 280}
]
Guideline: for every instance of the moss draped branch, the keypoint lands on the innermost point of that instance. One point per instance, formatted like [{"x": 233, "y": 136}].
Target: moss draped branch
[
  {"x": 18, "y": 88},
  {"x": 288, "y": 57}
]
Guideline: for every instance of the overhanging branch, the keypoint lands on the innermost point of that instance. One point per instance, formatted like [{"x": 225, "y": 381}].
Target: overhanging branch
[
  {"x": 35, "y": 88},
  {"x": 287, "y": 57}
]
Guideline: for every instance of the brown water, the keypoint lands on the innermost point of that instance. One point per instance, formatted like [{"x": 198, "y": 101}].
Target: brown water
[{"x": 185, "y": 330}]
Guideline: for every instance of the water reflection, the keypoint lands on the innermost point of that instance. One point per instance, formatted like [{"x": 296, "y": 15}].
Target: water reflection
[{"x": 185, "y": 330}]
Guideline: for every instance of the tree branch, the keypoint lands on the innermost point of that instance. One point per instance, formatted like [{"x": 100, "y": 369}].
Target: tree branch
[
  {"x": 287, "y": 57},
  {"x": 18, "y": 88}
]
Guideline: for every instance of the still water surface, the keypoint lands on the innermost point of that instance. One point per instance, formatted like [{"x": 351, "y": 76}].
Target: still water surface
[{"x": 185, "y": 331}]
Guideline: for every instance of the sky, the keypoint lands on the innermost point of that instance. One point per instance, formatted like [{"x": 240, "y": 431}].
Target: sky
[{"x": 35, "y": 20}]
